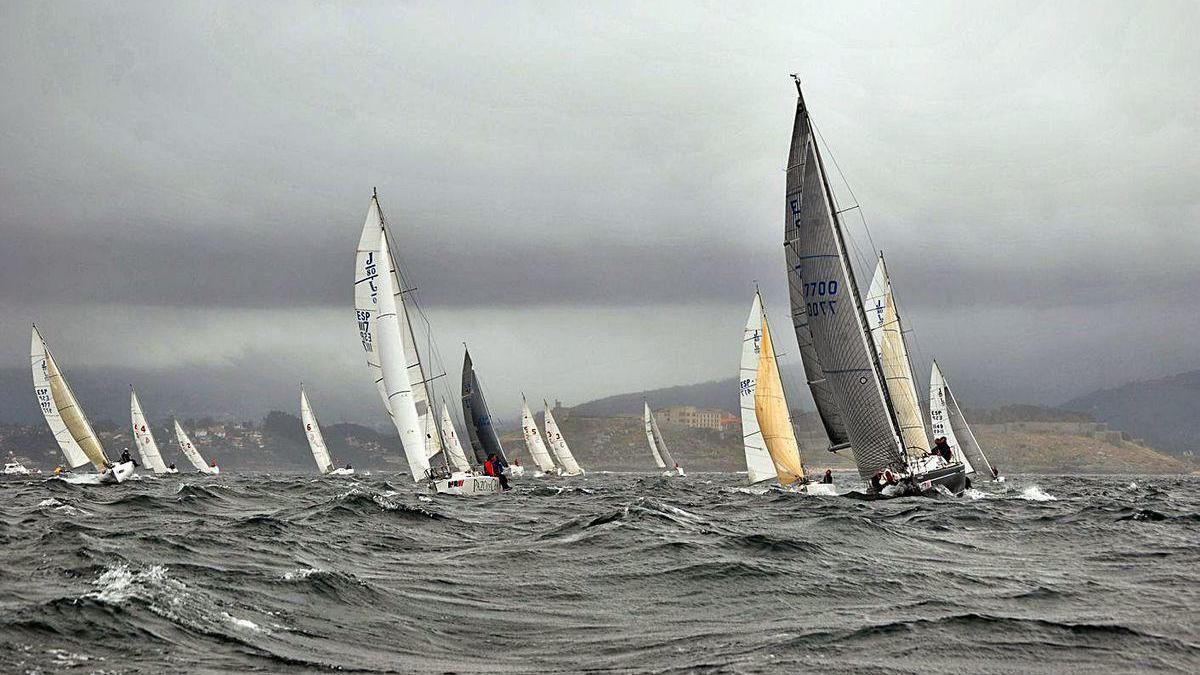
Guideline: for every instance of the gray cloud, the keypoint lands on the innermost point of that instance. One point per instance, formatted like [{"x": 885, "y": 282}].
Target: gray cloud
[{"x": 1027, "y": 168}]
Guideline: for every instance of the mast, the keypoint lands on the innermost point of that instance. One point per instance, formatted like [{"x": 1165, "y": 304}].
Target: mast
[{"x": 855, "y": 297}]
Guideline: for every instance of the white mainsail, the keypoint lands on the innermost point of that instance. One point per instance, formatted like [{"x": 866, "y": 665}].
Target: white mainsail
[
  {"x": 39, "y": 357},
  {"x": 393, "y": 360},
  {"x": 558, "y": 445},
  {"x": 312, "y": 431},
  {"x": 759, "y": 466},
  {"x": 143, "y": 436},
  {"x": 454, "y": 447},
  {"x": 648, "y": 420},
  {"x": 189, "y": 450},
  {"x": 368, "y": 266},
  {"x": 533, "y": 440},
  {"x": 948, "y": 420}
]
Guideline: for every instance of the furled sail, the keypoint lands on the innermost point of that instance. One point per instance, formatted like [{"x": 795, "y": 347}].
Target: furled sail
[
  {"x": 484, "y": 439},
  {"x": 73, "y": 417},
  {"x": 393, "y": 359},
  {"x": 450, "y": 439},
  {"x": 39, "y": 358},
  {"x": 368, "y": 266},
  {"x": 189, "y": 450},
  {"x": 947, "y": 420},
  {"x": 836, "y": 320},
  {"x": 143, "y": 436},
  {"x": 814, "y": 372},
  {"x": 902, "y": 390},
  {"x": 648, "y": 420},
  {"x": 558, "y": 445},
  {"x": 759, "y": 466},
  {"x": 533, "y": 439},
  {"x": 312, "y": 431},
  {"x": 774, "y": 419}
]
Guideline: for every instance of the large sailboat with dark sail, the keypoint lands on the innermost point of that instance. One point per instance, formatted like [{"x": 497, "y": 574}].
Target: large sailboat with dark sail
[
  {"x": 478, "y": 417},
  {"x": 860, "y": 395}
]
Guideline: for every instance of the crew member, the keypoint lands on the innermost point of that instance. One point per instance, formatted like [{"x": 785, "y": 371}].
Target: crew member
[
  {"x": 828, "y": 478},
  {"x": 942, "y": 449}
]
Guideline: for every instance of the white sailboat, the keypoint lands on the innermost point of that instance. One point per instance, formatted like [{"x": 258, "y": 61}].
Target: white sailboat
[
  {"x": 316, "y": 440},
  {"x": 143, "y": 437},
  {"x": 393, "y": 357},
  {"x": 862, "y": 398},
  {"x": 759, "y": 466},
  {"x": 558, "y": 445},
  {"x": 39, "y": 357},
  {"x": 64, "y": 407},
  {"x": 533, "y": 441},
  {"x": 658, "y": 446},
  {"x": 947, "y": 419},
  {"x": 193, "y": 455}
]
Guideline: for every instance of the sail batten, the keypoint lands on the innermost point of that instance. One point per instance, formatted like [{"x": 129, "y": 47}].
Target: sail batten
[
  {"x": 143, "y": 436},
  {"x": 39, "y": 357},
  {"x": 834, "y": 317},
  {"x": 312, "y": 431}
]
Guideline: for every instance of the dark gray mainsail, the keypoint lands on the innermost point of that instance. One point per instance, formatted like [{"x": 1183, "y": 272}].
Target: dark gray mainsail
[
  {"x": 484, "y": 440},
  {"x": 822, "y": 395},
  {"x": 966, "y": 438},
  {"x": 835, "y": 319}
]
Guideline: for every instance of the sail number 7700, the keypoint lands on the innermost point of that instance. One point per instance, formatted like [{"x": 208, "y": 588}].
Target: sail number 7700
[{"x": 819, "y": 297}]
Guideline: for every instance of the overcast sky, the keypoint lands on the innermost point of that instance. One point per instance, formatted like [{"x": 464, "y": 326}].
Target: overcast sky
[{"x": 586, "y": 193}]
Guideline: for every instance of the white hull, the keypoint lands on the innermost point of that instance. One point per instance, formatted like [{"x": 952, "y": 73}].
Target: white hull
[
  {"x": 16, "y": 469},
  {"x": 464, "y": 484},
  {"x": 820, "y": 489},
  {"x": 341, "y": 472},
  {"x": 117, "y": 473}
]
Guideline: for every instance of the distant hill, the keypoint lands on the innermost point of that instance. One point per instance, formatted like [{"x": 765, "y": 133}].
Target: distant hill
[
  {"x": 721, "y": 394},
  {"x": 1165, "y": 412}
]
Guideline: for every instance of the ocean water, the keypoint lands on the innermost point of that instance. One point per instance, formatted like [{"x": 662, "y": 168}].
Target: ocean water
[{"x": 612, "y": 572}]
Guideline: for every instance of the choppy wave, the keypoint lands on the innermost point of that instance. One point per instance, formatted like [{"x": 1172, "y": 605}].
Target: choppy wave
[{"x": 622, "y": 572}]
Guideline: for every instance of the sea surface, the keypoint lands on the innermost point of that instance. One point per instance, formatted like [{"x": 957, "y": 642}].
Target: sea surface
[{"x": 608, "y": 572}]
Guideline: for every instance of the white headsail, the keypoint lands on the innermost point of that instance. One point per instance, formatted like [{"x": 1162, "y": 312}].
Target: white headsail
[
  {"x": 759, "y": 466},
  {"x": 454, "y": 447},
  {"x": 368, "y": 266},
  {"x": 948, "y": 420},
  {"x": 312, "y": 431},
  {"x": 143, "y": 436},
  {"x": 533, "y": 440},
  {"x": 39, "y": 357},
  {"x": 189, "y": 450},
  {"x": 393, "y": 359},
  {"x": 558, "y": 445},
  {"x": 648, "y": 420}
]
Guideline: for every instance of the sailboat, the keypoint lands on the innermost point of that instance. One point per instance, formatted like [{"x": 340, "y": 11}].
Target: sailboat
[
  {"x": 450, "y": 438},
  {"x": 947, "y": 419},
  {"x": 845, "y": 372},
  {"x": 384, "y": 309},
  {"x": 775, "y": 434},
  {"x": 533, "y": 441},
  {"x": 480, "y": 428},
  {"x": 193, "y": 455},
  {"x": 558, "y": 445},
  {"x": 316, "y": 440},
  {"x": 143, "y": 437},
  {"x": 759, "y": 466},
  {"x": 67, "y": 420},
  {"x": 658, "y": 447}
]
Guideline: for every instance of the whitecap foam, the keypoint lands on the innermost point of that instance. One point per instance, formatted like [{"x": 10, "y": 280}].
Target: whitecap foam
[
  {"x": 972, "y": 493},
  {"x": 244, "y": 624},
  {"x": 50, "y": 502},
  {"x": 117, "y": 584},
  {"x": 1034, "y": 493},
  {"x": 301, "y": 574}
]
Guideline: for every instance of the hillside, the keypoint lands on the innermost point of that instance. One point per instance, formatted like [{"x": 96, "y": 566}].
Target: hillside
[{"x": 1165, "y": 412}]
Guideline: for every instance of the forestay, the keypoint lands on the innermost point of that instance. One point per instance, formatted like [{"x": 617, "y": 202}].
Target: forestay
[
  {"x": 38, "y": 358},
  {"x": 814, "y": 372},
  {"x": 774, "y": 420},
  {"x": 837, "y": 323},
  {"x": 558, "y": 445},
  {"x": 189, "y": 450},
  {"x": 533, "y": 439},
  {"x": 759, "y": 466},
  {"x": 312, "y": 431},
  {"x": 143, "y": 436},
  {"x": 397, "y": 386}
]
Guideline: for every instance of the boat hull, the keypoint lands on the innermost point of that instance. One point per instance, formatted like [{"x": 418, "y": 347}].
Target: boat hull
[
  {"x": 117, "y": 473},
  {"x": 953, "y": 478},
  {"x": 465, "y": 485}
]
